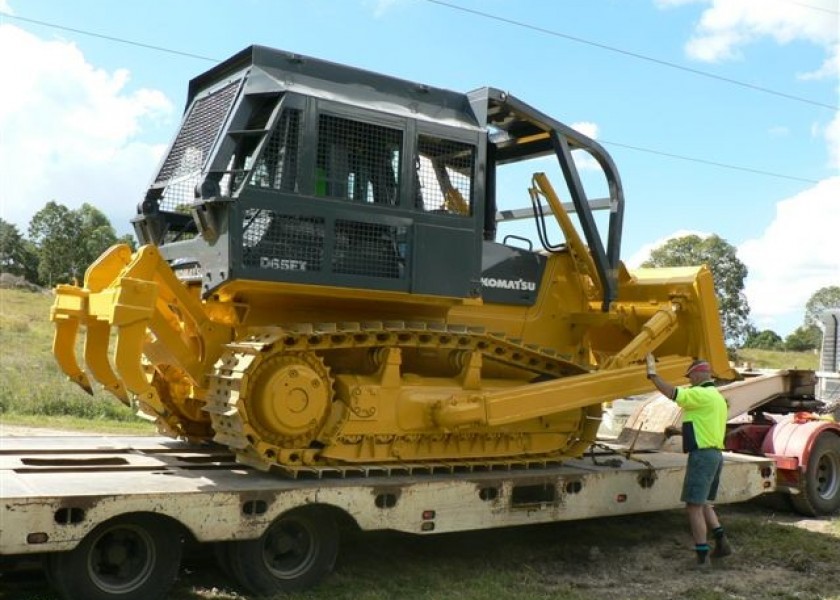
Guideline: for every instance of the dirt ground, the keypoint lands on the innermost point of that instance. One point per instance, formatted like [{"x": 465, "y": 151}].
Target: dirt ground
[{"x": 646, "y": 557}]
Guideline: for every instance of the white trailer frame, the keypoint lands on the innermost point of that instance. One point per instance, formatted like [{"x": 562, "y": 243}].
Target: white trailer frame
[
  {"x": 56, "y": 491},
  {"x": 65, "y": 486}
]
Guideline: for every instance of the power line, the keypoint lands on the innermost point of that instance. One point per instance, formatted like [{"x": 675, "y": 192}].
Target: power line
[
  {"x": 644, "y": 57},
  {"x": 110, "y": 38},
  {"x": 709, "y": 162},
  {"x": 812, "y": 7},
  {"x": 206, "y": 58}
]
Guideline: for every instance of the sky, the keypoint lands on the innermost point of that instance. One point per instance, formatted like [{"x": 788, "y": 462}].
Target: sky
[{"x": 721, "y": 115}]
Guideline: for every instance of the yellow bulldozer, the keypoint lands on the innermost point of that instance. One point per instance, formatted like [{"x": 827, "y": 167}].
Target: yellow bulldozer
[{"x": 320, "y": 285}]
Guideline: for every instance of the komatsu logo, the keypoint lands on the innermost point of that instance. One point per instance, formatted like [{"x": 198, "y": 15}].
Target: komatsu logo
[{"x": 509, "y": 284}]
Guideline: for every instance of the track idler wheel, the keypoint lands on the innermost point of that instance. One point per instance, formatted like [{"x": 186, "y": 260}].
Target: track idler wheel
[{"x": 288, "y": 399}]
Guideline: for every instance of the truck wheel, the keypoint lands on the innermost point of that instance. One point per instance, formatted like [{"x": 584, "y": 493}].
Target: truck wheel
[
  {"x": 296, "y": 551},
  {"x": 221, "y": 552},
  {"x": 127, "y": 558},
  {"x": 820, "y": 491}
]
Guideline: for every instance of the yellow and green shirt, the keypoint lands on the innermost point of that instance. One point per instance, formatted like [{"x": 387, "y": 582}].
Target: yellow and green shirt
[{"x": 704, "y": 416}]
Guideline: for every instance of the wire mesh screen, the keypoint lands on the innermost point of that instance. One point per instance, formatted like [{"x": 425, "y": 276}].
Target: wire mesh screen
[
  {"x": 277, "y": 166},
  {"x": 358, "y": 161},
  {"x": 279, "y": 242},
  {"x": 282, "y": 242},
  {"x": 444, "y": 176},
  {"x": 183, "y": 164},
  {"x": 369, "y": 249}
]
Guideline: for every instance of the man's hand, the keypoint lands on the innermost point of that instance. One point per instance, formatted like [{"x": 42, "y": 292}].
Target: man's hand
[
  {"x": 651, "y": 366},
  {"x": 671, "y": 431}
]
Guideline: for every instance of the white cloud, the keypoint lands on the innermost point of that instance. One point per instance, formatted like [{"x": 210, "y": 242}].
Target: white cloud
[
  {"x": 68, "y": 131},
  {"x": 796, "y": 255},
  {"x": 729, "y": 24},
  {"x": 832, "y": 137},
  {"x": 829, "y": 68},
  {"x": 587, "y": 128},
  {"x": 583, "y": 160},
  {"x": 5, "y": 8}
]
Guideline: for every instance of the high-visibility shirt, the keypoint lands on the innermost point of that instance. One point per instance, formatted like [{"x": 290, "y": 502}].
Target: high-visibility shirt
[{"x": 704, "y": 416}]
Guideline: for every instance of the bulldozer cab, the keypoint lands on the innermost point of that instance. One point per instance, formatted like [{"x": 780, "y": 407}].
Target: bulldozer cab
[{"x": 298, "y": 170}]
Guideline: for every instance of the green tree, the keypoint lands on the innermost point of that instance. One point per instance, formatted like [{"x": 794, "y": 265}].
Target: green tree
[
  {"x": 97, "y": 234},
  {"x": 820, "y": 301},
  {"x": 67, "y": 241},
  {"x": 128, "y": 240},
  {"x": 728, "y": 271},
  {"x": 17, "y": 255},
  {"x": 55, "y": 232},
  {"x": 764, "y": 340},
  {"x": 807, "y": 337}
]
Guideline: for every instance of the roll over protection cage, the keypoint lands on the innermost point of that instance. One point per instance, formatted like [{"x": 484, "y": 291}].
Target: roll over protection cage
[{"x": 528, "y": 133}]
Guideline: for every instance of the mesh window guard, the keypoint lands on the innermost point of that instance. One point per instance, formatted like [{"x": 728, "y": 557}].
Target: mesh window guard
[
  {"x": 358, "y": 161},
  {"x": 182, "y": 167},
  {"x": 369, "y": 249},
  {"x": 444, "y": 176},
  {"x": 282, "y": 242},
  {"x": 277, "y": 166}
]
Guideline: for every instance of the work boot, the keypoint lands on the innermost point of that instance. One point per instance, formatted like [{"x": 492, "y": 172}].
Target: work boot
[
  {"x": 702, "y": 560},
  {"x": 702, "y": 564},
  {"x": 722, "y": 547}
]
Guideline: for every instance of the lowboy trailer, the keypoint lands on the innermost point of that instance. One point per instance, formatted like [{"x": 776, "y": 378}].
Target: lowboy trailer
[{"x": 109, "y": 514}]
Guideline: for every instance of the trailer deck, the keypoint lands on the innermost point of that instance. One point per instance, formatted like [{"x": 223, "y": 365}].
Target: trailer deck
[{"x": 55, "y": 490}]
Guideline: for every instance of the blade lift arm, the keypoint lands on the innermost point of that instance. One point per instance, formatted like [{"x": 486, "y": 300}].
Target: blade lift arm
[{"x": 620, "y": 377}]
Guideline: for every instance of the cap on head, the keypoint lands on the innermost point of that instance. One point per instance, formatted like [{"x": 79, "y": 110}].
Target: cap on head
[{"x": 698, "y": 366}]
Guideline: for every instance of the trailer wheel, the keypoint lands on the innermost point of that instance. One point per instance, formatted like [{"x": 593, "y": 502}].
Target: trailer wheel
[
  {"x": 221, "y": 552},
  {"x": 820, "y": 491},
  {"x": 127, "y": 558},
  {"x": 296, "y": 551}
]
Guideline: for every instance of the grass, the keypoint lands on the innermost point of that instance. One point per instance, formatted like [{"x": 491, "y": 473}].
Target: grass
[
  {"x": 771, "y": 359},
  {"x": 33, "y": 391}
]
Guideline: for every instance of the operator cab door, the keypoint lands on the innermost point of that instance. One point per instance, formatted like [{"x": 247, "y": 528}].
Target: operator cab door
[
  {"x": 447, "y": 193},
  {"x": 377, "y": 201}
]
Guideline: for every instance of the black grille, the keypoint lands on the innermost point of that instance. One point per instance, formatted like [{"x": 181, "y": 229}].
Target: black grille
[
  {"x": 279, "y": 242},
  {"x": 277, "y": 166},
  {"x": 282, "y": 242},
  {"x": 358, "y": 161},
  {"x": 444, "y": 176},
  {"x": 182, "y": 167},
  {"x": 369, "y": 249}
]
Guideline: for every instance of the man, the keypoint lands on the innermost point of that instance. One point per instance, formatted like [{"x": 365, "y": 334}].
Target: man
[{"x": 703, "y": 431}]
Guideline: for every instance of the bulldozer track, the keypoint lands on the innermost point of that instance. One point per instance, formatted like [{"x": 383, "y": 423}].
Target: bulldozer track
[{"x": 241, "y": 358}]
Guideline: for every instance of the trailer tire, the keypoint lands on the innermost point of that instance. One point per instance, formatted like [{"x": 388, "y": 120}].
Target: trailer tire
[
  {"x": 820, "y": 491},
  {"x": 130, "y": 557},
  {"x": 296, "y": 551},
  {"x": 221, "y": 552}
]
